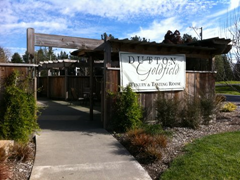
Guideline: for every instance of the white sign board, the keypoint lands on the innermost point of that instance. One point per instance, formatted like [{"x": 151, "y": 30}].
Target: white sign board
[{"x": 145, "y": 72}]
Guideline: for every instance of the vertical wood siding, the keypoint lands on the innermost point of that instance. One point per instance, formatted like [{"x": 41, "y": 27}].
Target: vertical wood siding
[
  {"x": 57, "y": 83},
  {"x": 197, "y": 84},
  {"x": 24, "y": 72}
]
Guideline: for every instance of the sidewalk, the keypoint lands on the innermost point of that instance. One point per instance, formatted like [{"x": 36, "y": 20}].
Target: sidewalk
[{"x": 71, "y": 147}]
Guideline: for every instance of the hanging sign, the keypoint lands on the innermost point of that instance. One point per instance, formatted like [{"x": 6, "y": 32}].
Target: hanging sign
[{"x": 146, "y": 73}]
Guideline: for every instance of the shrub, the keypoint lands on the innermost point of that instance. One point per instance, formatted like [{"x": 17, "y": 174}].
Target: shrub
[
  {"x": 167, "y": 110},
  {"x": 18, "y": 110},
  {"x": 3, "y": 155},
  {"x": 153, "y": 129},
  {"x": 21, "y": 152},
  {"x": 190, "y": 114},
  {"x": 229, "y": 107},
  {"x": 208, "y": 105},
  {"x": 220, "y": 98},
  {"x": 5, "y": 171},
  {"x": 146, "y": 145},
  {"x": 127, "y": 110}
]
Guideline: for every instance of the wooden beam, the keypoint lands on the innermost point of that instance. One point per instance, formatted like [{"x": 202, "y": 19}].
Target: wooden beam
[
  {"x": 30, "y": 44},
  {"x": 48, "y": 40}
]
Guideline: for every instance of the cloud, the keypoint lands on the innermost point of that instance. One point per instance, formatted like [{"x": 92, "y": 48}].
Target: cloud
[
  {"x": 233, "y": 4},
  {"x": 20, "y": 50},
  {"x": 129, "y": 10},
  {"x": 157, "y": 30}
]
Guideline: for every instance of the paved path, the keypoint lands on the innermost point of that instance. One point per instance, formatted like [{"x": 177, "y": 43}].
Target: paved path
[
  {"x": 71, "y": 147},
  {"x": 233, "y": 98}
]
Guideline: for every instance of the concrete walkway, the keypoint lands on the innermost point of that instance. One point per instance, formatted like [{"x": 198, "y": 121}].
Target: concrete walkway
[{"x": 71, "y": 147}]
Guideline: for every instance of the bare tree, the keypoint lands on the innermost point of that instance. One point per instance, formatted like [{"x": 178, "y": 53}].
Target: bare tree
[
  {"x": 4, "y": 55},
  {"x": 231, "y": 30}
]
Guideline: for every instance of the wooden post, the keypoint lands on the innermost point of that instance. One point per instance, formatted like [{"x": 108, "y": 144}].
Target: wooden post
[
  {"x": 66, "y": 83},
  {"x": 30, "y": 44},
  {"x": 48, "y": 84},
  {"x": 107, "y": 59},
  {"x": 91, "y": 87}
]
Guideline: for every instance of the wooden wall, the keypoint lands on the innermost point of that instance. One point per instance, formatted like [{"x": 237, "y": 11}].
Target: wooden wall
[
  {"x": 6, "y": 69},
  {"x": 197, "y": 84},
  {"x": 53, "y": 87}
]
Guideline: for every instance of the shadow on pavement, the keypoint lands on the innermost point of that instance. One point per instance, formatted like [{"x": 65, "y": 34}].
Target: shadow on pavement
[{"x": 63, "y": 116}]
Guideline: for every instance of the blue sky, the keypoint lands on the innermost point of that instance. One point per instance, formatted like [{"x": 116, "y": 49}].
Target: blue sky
[{"x": 121, "y": 18}]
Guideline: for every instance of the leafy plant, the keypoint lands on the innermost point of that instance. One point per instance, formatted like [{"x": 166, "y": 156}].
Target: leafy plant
[
  {"x": 18, "y": 119},
  {"x": 3, "y": 154},
  {"x": 146, "y": 145},
  {"x": 167, "y": 110},
  {"x": 229, "y": 107},
  {"x": 5, "y": 171},
  {"x": 127, "y": 110},
  {"x": 153, "y": 129},
  {"x": 208, "y": 106},
  {"x": 21, "y": 152},
  {"x": 190, "y": 116},
  {"x": 189, "y": 112}
]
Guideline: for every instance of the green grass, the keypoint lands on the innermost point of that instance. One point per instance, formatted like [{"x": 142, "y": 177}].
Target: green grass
[
  {"x": 228, "y": 82},
  {"x": 212, "y": 157},
  {"x": 228, "y": 90}
]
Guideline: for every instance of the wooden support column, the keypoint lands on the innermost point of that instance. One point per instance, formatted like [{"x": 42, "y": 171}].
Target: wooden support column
[
  {"x": 211, "y": 60},
  {"x": 48, "y": 84},
  {"x": 107, "y": 60},
  {"x": 91, "y": 87},
  {"x": 30, "y": 44},
  {"x": 66, "y": 83}
]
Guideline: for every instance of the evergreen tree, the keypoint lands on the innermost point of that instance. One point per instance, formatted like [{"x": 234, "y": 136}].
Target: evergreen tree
[
  {"x": 227, "y": 68},
  {"x": 62, "y": 55},
  {"x": 25, "y": 57},
  {"x": 44, "y": 54},
  {"x": 138, "y": 38},
  {"x": 223, "y": 68},
  {"x": 187, "y": 38},
  {"x": 16, "y": 58}
]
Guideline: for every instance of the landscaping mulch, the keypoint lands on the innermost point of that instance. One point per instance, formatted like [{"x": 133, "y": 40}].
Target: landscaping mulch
[
  {"x": 21, "y": 169},
  {"x": 225, "y": 122}
]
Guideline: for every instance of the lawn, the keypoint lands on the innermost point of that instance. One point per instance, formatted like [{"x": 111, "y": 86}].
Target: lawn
[
  {"x": 228, "y": 87},
  {"x": 211, "y": 157},
  {"x": 231, "y": 90},
  {"x": 228, "y": 82}
]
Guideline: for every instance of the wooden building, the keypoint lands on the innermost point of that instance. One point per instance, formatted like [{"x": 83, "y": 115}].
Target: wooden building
[{"x": 200, "y": 77}]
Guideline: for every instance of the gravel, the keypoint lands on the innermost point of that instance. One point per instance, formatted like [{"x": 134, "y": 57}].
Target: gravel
[{"x": 21, "y": 170}]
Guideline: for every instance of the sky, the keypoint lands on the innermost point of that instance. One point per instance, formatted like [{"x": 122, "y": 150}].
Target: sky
[{"x": 121, "y": 18}]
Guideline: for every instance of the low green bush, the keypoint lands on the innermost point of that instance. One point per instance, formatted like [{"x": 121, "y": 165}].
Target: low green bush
[
  {"x": 189, "y": 112},
  {"x": 18, "y": 120},
  {"x": 167, "y": 110},
  {"x": 208, "y": 107},
  {"x": 127, "y": 110}
]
